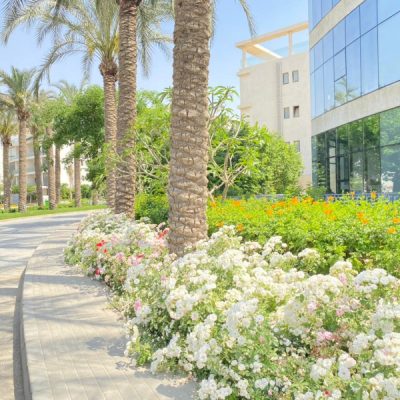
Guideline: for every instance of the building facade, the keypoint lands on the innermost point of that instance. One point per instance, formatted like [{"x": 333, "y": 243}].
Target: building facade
[
  {"x": 355, "y": 95},
  {"x": 66, "y": 172},
  {"x": 274, "y": 87}
]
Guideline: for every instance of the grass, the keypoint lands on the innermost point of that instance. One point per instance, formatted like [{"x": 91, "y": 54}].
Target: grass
[{"x": 35, "y": 211}]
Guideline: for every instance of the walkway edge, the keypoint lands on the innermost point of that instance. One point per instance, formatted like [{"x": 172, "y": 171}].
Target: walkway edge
[{"x": 73, "y": 343}]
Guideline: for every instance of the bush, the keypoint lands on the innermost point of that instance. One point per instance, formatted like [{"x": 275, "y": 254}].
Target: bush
[
  {"x": 244, "y": 318},
  {"x": 153, "y": 207},
  {"x": 364, "y": 232}
]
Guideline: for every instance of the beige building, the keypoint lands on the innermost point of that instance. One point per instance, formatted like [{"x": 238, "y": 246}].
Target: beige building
[{"x": 275, "y": 87}]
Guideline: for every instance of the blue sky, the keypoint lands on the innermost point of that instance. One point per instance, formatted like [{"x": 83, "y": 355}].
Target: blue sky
[{"x": 270, "y": 15}]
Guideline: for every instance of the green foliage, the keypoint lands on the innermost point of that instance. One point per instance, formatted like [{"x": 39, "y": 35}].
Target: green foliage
[
  {"x": 153, "y": 207},
  {"x": 86, "y": 191},
  {"x": 66, "y": 193},
  {"x": 364, "y": 232}
]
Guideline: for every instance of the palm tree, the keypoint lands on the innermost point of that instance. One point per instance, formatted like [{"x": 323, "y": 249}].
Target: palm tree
[
  {"x": 51, "y": 173},
  {"x": 7, "y": 129},
  {"x": 57, "y": 167},
  {"x": 77, "y": 176},
  {"x": 19, "y": 85},
  {"x": 37, "y": 154},
  {"x": 187, "y": 189},
  {"x": 91, "y": 28}
]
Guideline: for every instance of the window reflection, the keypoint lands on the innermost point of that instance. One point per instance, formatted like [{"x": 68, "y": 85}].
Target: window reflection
[
  {"x": 369, "y": 61},
  {"x": 363, "y": 155},
  {"x": 368, "y": 15},
  {"x": 389, "y": 51},
  {"x": 361, "y": 64}
]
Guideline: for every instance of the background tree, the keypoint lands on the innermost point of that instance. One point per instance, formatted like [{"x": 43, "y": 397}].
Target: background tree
[
  {"x": 81, "y": 124},
  {"x": 19, "y": 85},
  {"x": 90, "y": 27},
  {"x": 8, "y": 128}
]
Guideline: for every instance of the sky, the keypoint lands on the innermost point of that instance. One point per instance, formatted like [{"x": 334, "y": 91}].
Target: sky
[{"x": 22, "y": 50}]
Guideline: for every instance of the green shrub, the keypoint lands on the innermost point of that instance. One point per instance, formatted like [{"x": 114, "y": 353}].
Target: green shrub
[
  {"x": 364, "y": 232},
  {"x": 153, "y": 207}
]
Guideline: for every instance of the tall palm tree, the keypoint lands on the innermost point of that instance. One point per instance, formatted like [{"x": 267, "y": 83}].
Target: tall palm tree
[
  {"x": 77, "y": 176},
  {"x": 7, "y": 129},
  {"x": 37, "y": 154},
  {"x": 134, "y": 16},
  {"x": 187, "y": 189},
  {"x": 91, "y": 28},
  {"x": 19, "y": 86}
]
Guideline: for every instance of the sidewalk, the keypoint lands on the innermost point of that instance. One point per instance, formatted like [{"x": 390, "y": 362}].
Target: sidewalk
[{"x": 74, "y": 343}]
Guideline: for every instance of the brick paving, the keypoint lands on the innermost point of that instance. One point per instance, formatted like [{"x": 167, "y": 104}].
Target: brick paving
[
  {"x": 18, "y": 240},
  {"x": 75, "y": 343}
]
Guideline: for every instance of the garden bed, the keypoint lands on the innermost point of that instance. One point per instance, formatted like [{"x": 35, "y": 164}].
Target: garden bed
[{"x": 249, "y": 320}]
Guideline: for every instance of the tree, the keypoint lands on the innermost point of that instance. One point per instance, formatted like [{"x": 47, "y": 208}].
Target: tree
[
  {"x": 19, "y": 85},
  {"x": 81, "y": 124},
  {"x": 91, "y": 28},
  {"x": 187, "y": 188},
  {"x": 7, "y": 129}
]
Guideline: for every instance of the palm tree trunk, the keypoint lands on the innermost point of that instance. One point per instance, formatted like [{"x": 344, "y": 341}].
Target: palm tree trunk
[
  {"x": 22, "y": 163},
  {"x": 109, "y": 72},
  {"x": 77, "y": 180},
  {"x": 51, "y": 173},
  {"x": 58, "y": 174},
  {"x": 6, "y": 174},
  {"x": 38, "y": 169},
  {"x": 127, "y": 56},
  {"x": 187, "y": 190},
  {"x": 95, "y": 197}
]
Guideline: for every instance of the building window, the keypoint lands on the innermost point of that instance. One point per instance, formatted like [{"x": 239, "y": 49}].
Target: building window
[
  {"x": 295, "y": 76},
  {"x": 297, "y": 145},
  {"x": 285, "y": 78},
  {"x": 286, "y": 113},
  {"x": 363, "y": 155},
  {"x": 296, "y": 111}
]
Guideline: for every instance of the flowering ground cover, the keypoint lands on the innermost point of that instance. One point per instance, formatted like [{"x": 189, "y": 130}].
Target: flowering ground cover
[
  {"x": 366, "y": 232},
  {"x": 246, "y": 319}
]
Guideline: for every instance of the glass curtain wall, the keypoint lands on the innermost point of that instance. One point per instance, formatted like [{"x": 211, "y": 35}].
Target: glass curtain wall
[
  {"x": 361, "y": 156},
  {"x": 359, "y": 55}
]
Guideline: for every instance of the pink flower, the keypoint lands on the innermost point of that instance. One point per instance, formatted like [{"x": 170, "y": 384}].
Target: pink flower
[
  {"x": 137, "y": 306},
  {"x": 312, "y": 306},
  {"x": 343, "y": 278},
  {"x": 325, "y": 336},
  {"x": 120, "y": 256}
]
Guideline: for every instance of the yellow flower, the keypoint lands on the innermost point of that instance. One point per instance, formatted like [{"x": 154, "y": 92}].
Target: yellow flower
[
  {"x": 396, "y": 220},
  {"x": 331, "y": 198},
  {"x": 373, "y": 195},
  {"x": 392, "y": 230},
  {"x": 220, "y": 224},
  {"x": 240, "y": 227}
]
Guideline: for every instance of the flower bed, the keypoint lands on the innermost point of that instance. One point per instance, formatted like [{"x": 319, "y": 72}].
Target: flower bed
[
  {"x": 245, "y": 319},
  {"x": 366, "y": 232}
]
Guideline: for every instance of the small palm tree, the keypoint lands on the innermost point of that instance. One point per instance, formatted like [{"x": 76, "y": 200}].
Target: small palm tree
[
  {"x": 8, "y": 128},
  {"x": 19, "y": 85},
  {"x": 187, "y": 188}
]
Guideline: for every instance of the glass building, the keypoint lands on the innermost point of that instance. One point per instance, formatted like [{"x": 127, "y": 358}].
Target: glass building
[{"x": 355, "y": 91}]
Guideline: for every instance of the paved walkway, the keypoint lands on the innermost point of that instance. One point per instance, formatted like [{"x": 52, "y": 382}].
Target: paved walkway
[
  {"x": 18, "y": 239},
  {"x": 75, "y": 343}
]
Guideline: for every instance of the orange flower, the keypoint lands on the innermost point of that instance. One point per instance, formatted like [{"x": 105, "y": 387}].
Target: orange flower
[
  {"x": 364, "y": 221},
  {"x": 240, "y": 227},
  {"x": 220, "y": 224},
  {"x": 270, "y": 212},
  {"x": 295, "y": 200},
  {"x": 213, "y": 204},
  {"x": 236, "y": 203},
  {"x": 360, "y": 215},
  {"x": 373, "y": 195},
  {"x": 392, "y": 230},
  {"x": 396, "y": 220},
  {"x": 328, "y": 211},
  {"x": 331, "y": 198}
]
